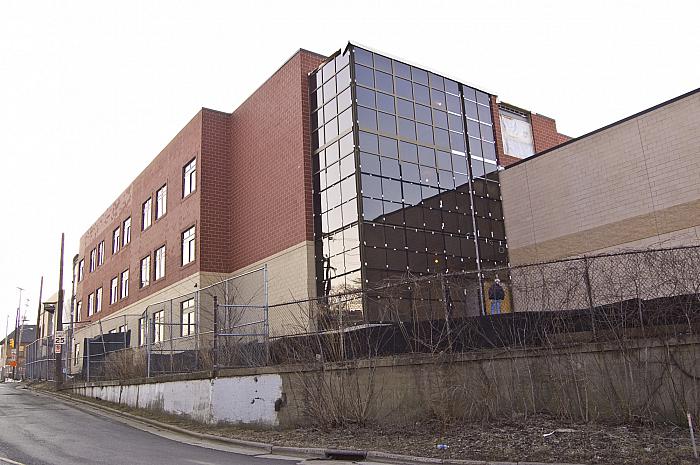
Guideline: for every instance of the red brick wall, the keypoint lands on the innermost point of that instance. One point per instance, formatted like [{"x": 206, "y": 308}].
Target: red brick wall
[
  {"x": 181, "y": 214},
  {"x": 214, "y": 244},
  {"x": 270, "y": 195},
  {"x": 544, "y": 133}
]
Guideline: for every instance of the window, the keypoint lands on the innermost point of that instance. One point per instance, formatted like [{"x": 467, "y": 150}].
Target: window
[
  {"x": 158, "y": 326},
  {"x": 93, "y": 260},
  {"x": 145, "y": 271},
  {"x": 126, "y": 238},
  {"x": 122, "y": 329},
  {"x": 80, "y": 309},
  {"x": 125, "y": 284},
  {"x": 112, "y": 331},
  {"x": 142, "y": 331},
  {"x": 116, "y": 240},
  {"x": 161, "y": 201},
  {"x": 187, "y": 317},
  {"x": 146, "y": 215},
  {"x": 114, "y": 290},
  {"x": 76, "y": 353},
  {"x": 81, "y": 270},
  {"x": 100, "y": 253},
  {"x": 189, "y": 178},
  {"x": 188, "y": 246},
  {"x": 91, "y": 304},
  {"x": 160, "y": 263},
  {"x": 98, "y": 300}
]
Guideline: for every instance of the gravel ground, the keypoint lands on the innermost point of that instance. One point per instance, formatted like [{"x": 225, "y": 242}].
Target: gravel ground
[{"x": 508, "y": 441}]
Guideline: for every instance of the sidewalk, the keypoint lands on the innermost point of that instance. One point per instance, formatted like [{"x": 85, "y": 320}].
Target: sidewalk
[{"x": 468, "y": 444}]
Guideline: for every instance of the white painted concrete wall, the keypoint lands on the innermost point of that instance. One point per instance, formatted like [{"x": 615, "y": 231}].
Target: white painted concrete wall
[{"x": 243, "y": 400}]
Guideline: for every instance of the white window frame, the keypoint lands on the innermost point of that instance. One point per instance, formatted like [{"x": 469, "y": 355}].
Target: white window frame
[
  {"x": 114, "y": 290},
  {"x": 145, "y": 277},
  {"x": 126, "y": 237},
  {"x": 79, "y": 309},
  {"x": 142, "y": 331},
  {"x": 189, "y": 178},
  {"x": 100, "y": 253},
  {"x": 91, "y": 304},
  {"x": 161, "y": 202},
  {"x": 187, "y": 317},
  {"x": 76, "y": 353},
  {"x": 146, "y": 214},
  {"x": 116, "y": 239},
  {"x": 188, "y": 246},
  {"x": 81, "y": 269},
  {"x": 158, "y": 326},
  {"x": 124, "y": 287},
  {"x": 98, "y": 300},
  {"x": 159, "y": 263},
  {"x": 93, "y": 260}
]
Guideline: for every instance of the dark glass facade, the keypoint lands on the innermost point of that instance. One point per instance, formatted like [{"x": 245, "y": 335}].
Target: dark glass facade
[{"x": 405, "y": 175}]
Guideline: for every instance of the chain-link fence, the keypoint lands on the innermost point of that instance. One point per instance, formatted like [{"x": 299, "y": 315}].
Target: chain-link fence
[
  {"x": 218, "y": 326},
  {"x": 232, "y": 323},
  {"x": 40, "y": 359}
]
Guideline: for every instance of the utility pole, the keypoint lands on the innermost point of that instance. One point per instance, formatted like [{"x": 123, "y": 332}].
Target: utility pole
[
  {"x": 58, "y": 375},
  {"x": 17, "y": 343},
  {"x": 69, "y": 339},
  {"x": 38, "y": 312}
]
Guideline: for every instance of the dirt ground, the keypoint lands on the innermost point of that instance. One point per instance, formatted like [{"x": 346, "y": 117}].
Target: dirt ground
[{"x": 526, "y": 440}]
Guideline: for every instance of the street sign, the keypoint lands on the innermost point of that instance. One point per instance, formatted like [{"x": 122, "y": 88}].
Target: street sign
[
  {"x": 59, "y": 338},
  {"x": 57, "y": 348},
  {"x": 13, "y": 363}
]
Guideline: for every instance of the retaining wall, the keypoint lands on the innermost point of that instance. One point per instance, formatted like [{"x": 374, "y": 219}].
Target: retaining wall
[{"x": 623, "y": 381}]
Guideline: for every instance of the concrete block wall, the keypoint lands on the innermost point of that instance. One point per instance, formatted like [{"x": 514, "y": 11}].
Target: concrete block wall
[{"x": 635, "y": 182}]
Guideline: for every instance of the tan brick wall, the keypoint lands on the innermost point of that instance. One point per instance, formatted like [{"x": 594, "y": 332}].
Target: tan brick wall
[{"x": 636, "y": 183}]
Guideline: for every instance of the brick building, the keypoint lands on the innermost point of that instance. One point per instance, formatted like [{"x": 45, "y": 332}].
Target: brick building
[{"x": 306, "y": 177}]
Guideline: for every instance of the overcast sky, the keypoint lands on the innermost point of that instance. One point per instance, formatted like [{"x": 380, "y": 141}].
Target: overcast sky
[{"x": 91, "y": 91}]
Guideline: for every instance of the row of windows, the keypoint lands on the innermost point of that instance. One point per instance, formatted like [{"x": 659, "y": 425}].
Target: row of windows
[
  {"x": 121, "y": 235},
  {"x": 187, "y": 325},
  {"x": 119, "y": 285}
]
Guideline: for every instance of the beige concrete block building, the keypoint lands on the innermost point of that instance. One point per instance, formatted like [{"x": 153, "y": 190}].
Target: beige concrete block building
[{"x": 634, "y": 184}]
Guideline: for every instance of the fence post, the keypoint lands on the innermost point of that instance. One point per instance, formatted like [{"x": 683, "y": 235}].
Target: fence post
[
  {"x": 267, "y": 315},
  {"x": 196, "y": 330},
  {"x": 87, "y": 354},
  {"x": 215, "y": 345},
  {"x": 146, "y": 321},
  {"x": 589, "y": 292}
]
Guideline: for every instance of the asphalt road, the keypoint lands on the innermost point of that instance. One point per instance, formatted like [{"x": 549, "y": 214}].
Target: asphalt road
[{"x": 39, "y": 430}]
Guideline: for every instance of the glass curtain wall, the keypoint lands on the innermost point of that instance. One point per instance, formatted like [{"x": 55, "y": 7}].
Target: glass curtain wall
[{"x": 415, "y": 137}]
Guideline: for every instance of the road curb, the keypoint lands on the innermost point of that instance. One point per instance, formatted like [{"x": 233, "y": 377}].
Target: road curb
[{"x": 308, "y": 452}]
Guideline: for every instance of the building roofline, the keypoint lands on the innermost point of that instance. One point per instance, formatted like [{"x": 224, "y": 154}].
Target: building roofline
[
  {"x": 611, "y": 125},
  {"x": 418, "y": 65}
]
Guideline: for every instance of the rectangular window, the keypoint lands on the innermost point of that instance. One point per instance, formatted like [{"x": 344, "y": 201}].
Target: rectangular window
[
  {"x": 81, "y": 270},
  {"x": 145, "y": 271},
  {"x": 91, "y": 304},
  {"x": 126, "y": 238},
  {"x": 159, "y": 263},
  {"x": 93, "y": 260},
  {"x": 189, "y": 178},
  {"x": 100, "y": 253},
  {"x": 158, "y": 326},
  {"x": 161, "y": 201},
  {"x": 98, "y": 300},
  {"x": 116, "y": 240},
  {"x": 188, "y": 245},
  {"x": 76, "y": 353},
  {"x": 125, "y": 284},
  {"x": 80, "y": 309},
  {"x": 187, "y": 317},
  {"x": 146, "y": 215},
  {"x": 142, "y": 331},
  {"x": 114, "y": 290},
  {"x": 122, "y": 328}
]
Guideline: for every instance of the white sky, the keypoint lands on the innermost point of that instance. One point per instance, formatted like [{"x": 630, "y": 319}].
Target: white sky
[{"x": 90, "y": 91}]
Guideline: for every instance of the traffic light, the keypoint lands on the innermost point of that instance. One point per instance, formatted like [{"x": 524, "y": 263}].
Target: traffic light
[{"x": 12, "y": 343}]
